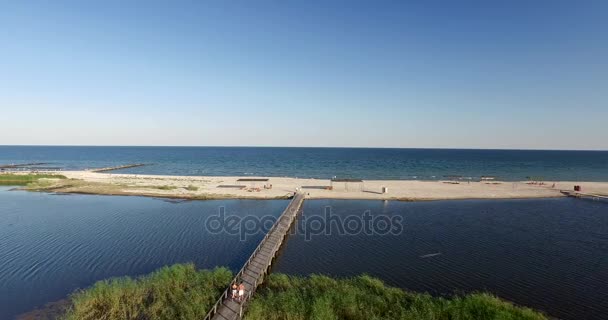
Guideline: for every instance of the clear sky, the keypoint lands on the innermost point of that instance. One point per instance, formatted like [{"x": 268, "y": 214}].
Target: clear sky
[{"x": 473, "y": 74}]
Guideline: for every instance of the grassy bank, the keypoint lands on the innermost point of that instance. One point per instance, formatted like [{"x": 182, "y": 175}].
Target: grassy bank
[
  {"x": 176, "y": 292},
  {"x": 10, "y": 179},
  {"x": 182, "y": 292},
  {"x": 80, "y": 186},
  {"x": 366, "y": 298}
]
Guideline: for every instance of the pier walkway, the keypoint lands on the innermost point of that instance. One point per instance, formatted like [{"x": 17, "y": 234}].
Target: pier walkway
[{"x": 255, "y": 269}]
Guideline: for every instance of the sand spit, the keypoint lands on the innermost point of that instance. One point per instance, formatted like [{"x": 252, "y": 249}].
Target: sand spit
[{"x": 199, "y": 187}]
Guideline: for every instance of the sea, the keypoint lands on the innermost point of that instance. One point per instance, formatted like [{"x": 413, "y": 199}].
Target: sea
[{"x": 322, "y": 163}]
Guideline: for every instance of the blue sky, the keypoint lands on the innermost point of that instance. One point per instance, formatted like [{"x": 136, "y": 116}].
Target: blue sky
[{"x": 472, "y": 74}]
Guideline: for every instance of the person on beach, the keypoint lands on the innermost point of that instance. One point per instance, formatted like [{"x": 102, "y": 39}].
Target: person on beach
[
  {"x": 241, "y": 292},
  {"x": 234, "y": 291}
]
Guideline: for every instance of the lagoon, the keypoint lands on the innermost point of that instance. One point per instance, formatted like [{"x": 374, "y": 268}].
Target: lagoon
[
  {"x": 51, "y": 244},
  {"x": 549, "y": 254}
]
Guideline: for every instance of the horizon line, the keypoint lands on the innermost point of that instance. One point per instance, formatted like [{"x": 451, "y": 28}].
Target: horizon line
[{"x": 296, "y": 147}]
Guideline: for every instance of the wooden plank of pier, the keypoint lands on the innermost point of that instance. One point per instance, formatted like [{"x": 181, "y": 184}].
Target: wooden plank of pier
[
  {"x": 255, "y": 269},
  {"x": 118, "y": 167}
]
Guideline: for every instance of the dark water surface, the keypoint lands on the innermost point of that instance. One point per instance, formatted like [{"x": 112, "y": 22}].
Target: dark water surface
[
  {"x": 52, "y": 244},
  {"x": 550, "y": 254},
  {"x": 364, "y": 163}
]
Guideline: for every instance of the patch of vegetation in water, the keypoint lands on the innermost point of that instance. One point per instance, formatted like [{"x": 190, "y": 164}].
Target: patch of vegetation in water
[
  {"x": 365, "y": 298},
  {"x": 11, "y": 179},
  {"x": 176, "y": 292},
  {"x": 183, "y": 292}
]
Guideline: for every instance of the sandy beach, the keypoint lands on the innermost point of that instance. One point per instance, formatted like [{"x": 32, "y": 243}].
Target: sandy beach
[{"x": 207, "y": 187}]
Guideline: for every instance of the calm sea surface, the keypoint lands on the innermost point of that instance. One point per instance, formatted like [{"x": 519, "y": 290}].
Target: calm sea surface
[
  {"x": 52, "y": 244},
  {"x": 550, "y": 254},
  {"x": 420, "y": 164}
]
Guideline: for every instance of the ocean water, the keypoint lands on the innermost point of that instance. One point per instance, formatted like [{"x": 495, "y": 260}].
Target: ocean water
[
  {"x": 51, "y": 245},
  {"x": 549, "y": 254},
  {"x": 416, "y": 164}
]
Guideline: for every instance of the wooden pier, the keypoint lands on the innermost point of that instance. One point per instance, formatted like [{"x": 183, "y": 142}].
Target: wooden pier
[
  {"x": 255, "y": 269},
  {"x": 118, "y": 167}
]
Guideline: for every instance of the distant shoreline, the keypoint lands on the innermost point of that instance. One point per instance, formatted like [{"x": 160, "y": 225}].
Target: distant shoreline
[
  {"x": 229, "y": 187},
  {"x": 295, "y": 147}
]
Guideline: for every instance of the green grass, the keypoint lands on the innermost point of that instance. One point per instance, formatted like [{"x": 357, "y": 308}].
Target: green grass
[
  {"x": 163, "y": 187},
  {"x": 176, "y": 292},
  {"x": 182, "y": 292},
  {"x": 166, "y": 187},
  {"x": 367, "y": 298},
  {"x": 10, "y": 179}
]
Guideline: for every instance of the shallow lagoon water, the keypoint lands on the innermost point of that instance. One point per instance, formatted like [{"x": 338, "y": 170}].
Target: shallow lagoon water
[
  {"x": 51, "y": 244},
  {"x": 550, "y": 254}
]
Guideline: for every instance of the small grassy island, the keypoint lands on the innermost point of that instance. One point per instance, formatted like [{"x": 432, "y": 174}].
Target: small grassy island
[{"x": 183, "y": 292}]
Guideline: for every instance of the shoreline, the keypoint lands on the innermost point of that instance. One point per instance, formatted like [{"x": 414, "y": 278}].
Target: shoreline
[{"x": 229, "y": 187}]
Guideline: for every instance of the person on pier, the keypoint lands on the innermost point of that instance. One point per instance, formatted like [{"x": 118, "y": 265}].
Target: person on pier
[
  {"x": 234, "y": 291},
  {"x": 241, "y": 292}
]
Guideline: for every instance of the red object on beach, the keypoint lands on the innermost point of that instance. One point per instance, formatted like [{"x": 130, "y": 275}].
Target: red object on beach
[{"x": 577, "y": 188}]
